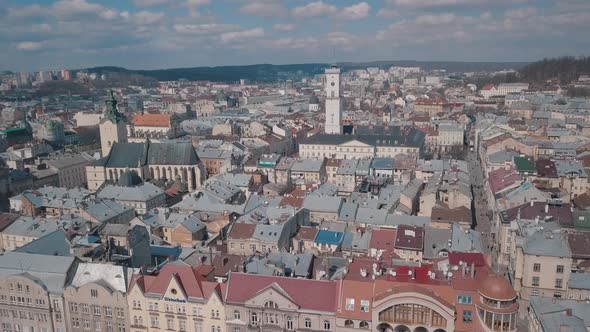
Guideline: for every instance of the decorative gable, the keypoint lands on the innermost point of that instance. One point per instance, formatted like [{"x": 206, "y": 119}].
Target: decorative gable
[{"x": 273, "y": 296}]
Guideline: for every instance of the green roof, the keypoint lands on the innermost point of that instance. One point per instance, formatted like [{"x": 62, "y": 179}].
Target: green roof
[{"x": 524, "y": 165}]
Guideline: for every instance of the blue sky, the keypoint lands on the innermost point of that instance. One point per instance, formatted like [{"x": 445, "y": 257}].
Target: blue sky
[{"x": 54, "y": 34}]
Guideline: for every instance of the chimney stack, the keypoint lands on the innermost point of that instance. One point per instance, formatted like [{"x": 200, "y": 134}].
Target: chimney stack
[{"x": 472, "y": 270}]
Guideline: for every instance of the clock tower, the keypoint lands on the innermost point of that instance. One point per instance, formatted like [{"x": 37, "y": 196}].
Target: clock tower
[{"x": 333, "y": 123}]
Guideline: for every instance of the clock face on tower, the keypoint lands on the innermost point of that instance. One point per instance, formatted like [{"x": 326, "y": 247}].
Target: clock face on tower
[{"x": 333, "y": 83}]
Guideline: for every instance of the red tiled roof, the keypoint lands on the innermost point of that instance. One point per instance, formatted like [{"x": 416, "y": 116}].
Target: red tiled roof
[
  {"x": 546, "y": 168},
  {"x": 191, "y": 280},
  {"x": 502, "y": 178},
  {"x": 292, "y": 201},
  {"x": 152, "y": 120},
  {"x": 467, "y": 257},
  {"x": 383, "y": 239},
  {"x": 242, "y": 231},
  {"x": 307, "y": 233},
  {"x": 409, "y": 237},
  {"x": 308, "y": 294}
]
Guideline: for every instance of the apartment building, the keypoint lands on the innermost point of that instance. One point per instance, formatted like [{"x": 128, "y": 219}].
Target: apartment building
[
  {"x": 96, "y": 298},
  {"x": 177, "y": 298}
]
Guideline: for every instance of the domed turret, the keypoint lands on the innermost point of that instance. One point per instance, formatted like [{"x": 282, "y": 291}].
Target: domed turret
[{"x": 497, "y": 288}]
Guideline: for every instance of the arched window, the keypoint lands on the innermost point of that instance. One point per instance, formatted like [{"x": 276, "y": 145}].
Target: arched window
[
  {"x": 270, "y": 304},
  {"x": 364, "y": 325},
  {"x": 326, "y": 325},
  {"x": 348, "y": 323},
  {"x": 308, "y": 323},
  {"x": 289, "y": 323},
  {"x": 254, "y": 318},
  {"x": 236, "y": 314}
]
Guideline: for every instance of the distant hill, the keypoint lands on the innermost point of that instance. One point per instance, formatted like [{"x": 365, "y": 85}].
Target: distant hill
[
  {"x": 270, "y": 73},
  {"x": 563, "y": 70}
]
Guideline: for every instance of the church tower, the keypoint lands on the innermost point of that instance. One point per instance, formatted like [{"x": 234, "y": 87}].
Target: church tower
[
  {"x": 333, "y": 123},
  {"x": 113, "y": 127}
]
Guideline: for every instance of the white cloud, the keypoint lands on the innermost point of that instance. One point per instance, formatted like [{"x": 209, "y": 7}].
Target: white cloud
[
  {"x": 387, "y": 13},
  {"x": 29, "y": 46},
  {"x": 197, "y": 3},
  {"x": 150, "y": 3},
  {"x": 355, "y": 12},
  {"x": 148, "y": 18},
  {"x": 314, "y": 9},
  {"x": 264, "y": 9},
  {"x": 242, "y": 34},
  {"x": 435, "y": 3},
  {"x": 204, "y": 29},
  {"x": 521, "y": 13},
  {"x": 284, "y": 27}
]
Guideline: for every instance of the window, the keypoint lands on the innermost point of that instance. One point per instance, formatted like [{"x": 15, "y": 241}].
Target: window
[
  {"x": 350, "y": 304},
  {"x": 236, "y": 329},
  {"x": 534, "y": 292},
  {"x": 365, "y": 305},
  {"x": 364, "y": 325},
  {"x": 270, "y": 304},
  {"x": 199, "y": 326},
  {"x": 85, "y": 309},
  {"x": 558, "y": 283},
  {"x": 326, "y": 325},
  {"x": 154, "y": 321},
  {"x": 307, "y": 323},
  {"x": 289, "y": 323},
  {"x": 557, "y": 295},
  {"x": 170, "y": 324},
  {"x": 537, "y": 267},
  {"x": 464, "y": 299},
  {"x": 236, "y": 315},
  {"x": 93, "y": 293},
  {"x": 74, "y": 307},
  {"x": 120, "y": 312},
  {"x": 467, "y": 316},
  {"x": 182, "y": 325},
  {"x": 254, "y": 318},
  {"x": 348, "y": 323},
  {"x": 559, "y": 269},
  {"x": 121, "y": 327},
  {"x": 96, "y": 310},
  {"x": 97, "y": 326},
  {"x": 86, "y": 324},
  {"x": 536, "y": 281}
]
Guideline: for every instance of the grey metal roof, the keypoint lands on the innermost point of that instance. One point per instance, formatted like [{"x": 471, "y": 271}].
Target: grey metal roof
[
  {"x": 323, "y": 203},
  {"x": 142, "y": 193},
  {"x": 114, "y": 275},
  {"x": 50, "y": 271},
  {"x": 307, "y": 165},
  {"x": 579, "y": 281},
  {"x": 376, "y": 136},
  {"x": 55, "y": 243},
  {"x": 547, "y": 244},
  {"x": 133, "y": 154},
  {"x": 435, "y": 241},
  {"x": 552, "y": 315},
  {"x": 348, "y": 212}
]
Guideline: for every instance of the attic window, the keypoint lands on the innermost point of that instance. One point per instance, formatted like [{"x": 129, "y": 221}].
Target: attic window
[{"x": 173, "y": 291}]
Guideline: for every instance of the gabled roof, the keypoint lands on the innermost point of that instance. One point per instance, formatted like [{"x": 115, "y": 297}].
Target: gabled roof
[
  {"x": 189, "y": 279},
  {"x": 152, "y": 120},
  {"x": 308, "y": 294},
  {"x": 55, "y": 243}
]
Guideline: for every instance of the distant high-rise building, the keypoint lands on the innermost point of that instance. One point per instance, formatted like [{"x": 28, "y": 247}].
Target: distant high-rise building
[
  {"x": 333, "y": 123},
  {"x": 66, "y": 75}
]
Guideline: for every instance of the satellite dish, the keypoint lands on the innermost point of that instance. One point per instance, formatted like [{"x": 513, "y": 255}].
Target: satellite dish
[{"x": 455, "y": 268}]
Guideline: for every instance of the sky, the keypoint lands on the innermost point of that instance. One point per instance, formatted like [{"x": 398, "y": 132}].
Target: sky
[{"x": 149, "y": 34}]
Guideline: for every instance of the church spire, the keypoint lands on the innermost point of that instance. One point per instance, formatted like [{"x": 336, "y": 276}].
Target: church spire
[{"x": 111, "y": 111}]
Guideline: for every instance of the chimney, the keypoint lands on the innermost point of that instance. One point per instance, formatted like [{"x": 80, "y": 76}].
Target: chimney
[
  {"x": 546, "y": 208},
  {"x": 568, "y": 312},
  {"x": 532, "y": 203},
  {"x": 463, "y": 268},
  {"x": 472, "y": 270}
]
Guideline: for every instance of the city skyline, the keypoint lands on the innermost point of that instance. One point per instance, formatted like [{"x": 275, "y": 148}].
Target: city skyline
[{"x": 150, "y": 34}]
